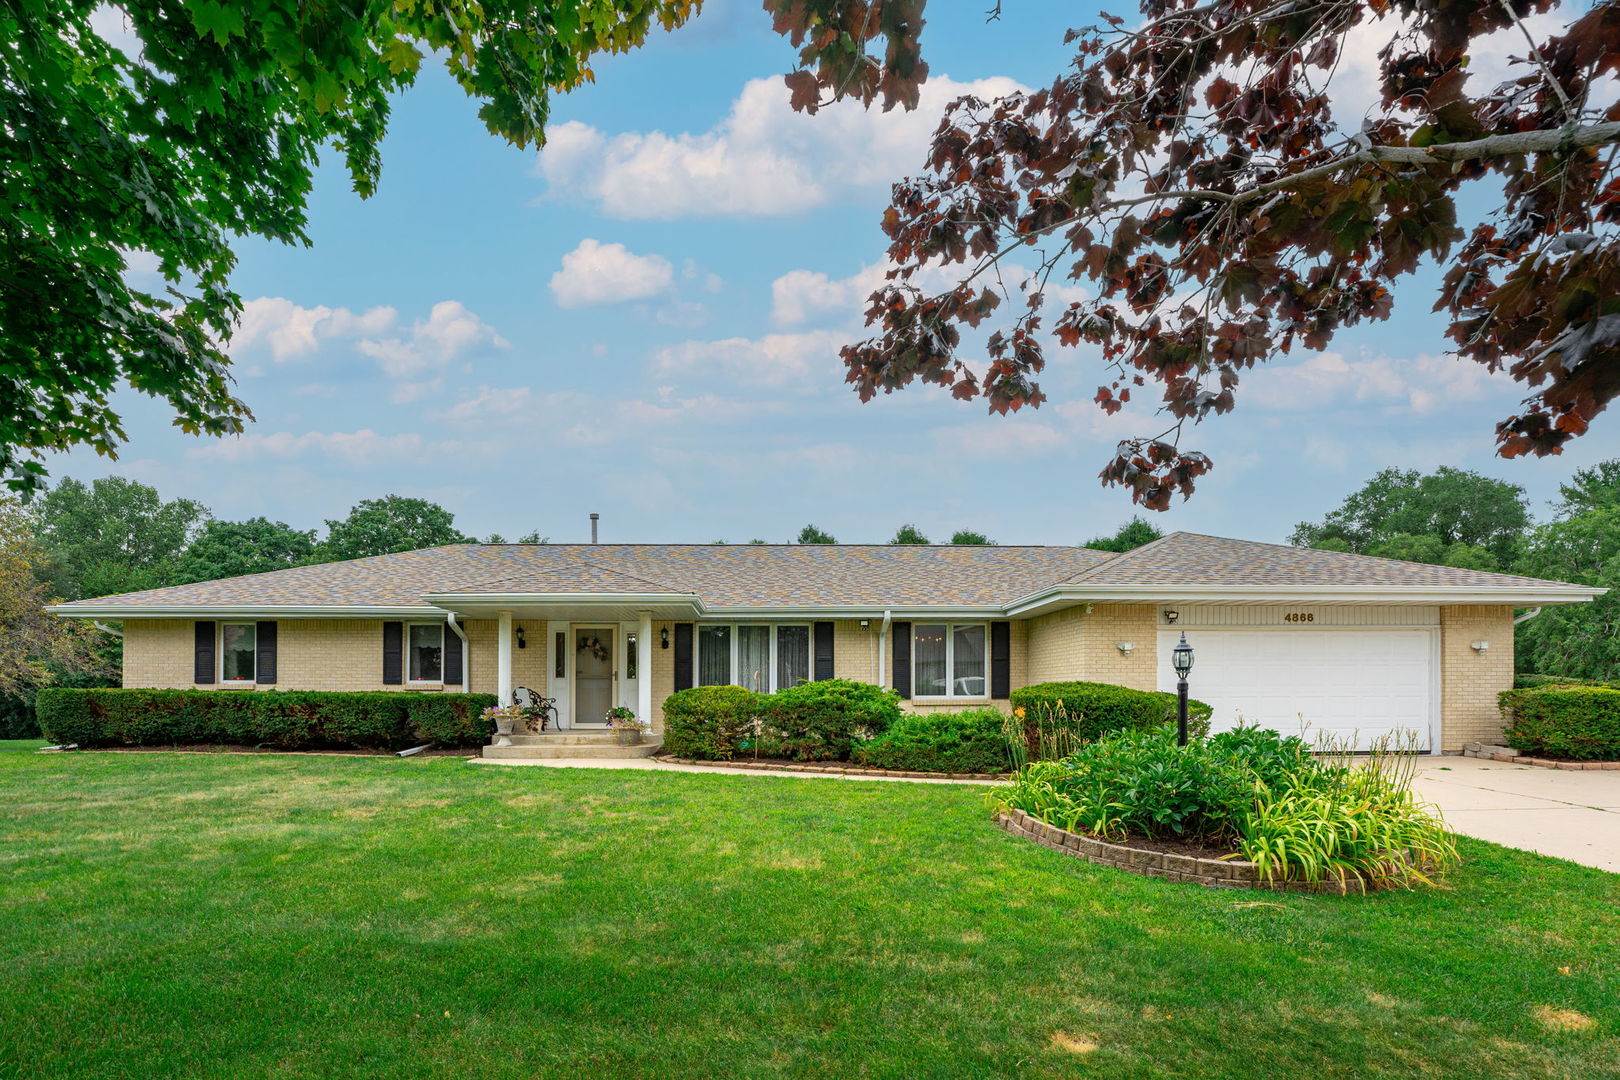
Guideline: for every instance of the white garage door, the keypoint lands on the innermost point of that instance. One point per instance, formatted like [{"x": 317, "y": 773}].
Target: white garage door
[{"x": 1354, "y": 684}]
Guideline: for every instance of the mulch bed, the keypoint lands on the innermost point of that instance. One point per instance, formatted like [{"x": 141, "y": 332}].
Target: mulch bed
[
  {"x": 1191, "y": 849},
  {"x": 213, "y": 748}
]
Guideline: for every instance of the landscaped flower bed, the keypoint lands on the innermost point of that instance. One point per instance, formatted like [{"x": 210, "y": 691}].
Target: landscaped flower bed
[{"x": 1249, "y": 795}]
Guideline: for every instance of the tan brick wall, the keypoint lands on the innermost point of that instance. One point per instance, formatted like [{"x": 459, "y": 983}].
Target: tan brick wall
[
  {"x": 320, "y": 654},
  {"x": 663, "y": 671},
  {"x": 1055, "y": 646},
  {"x": 1470, "y": 682},
  {"x": 1071, "y": 645},
  {"x": 1101, "y": 659},
  {"x": 157, "y": 653}
]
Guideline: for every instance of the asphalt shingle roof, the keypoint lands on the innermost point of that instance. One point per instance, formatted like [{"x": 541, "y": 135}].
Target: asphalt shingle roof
[{"x": 843, "y": 575}]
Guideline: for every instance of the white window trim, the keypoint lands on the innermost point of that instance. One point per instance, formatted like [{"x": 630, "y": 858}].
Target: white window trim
[
  {"x": 950, "y": 662},
  {"x": 219, "y": 648},
  {"x": 444, "y": 632},
  {"x": 735, "y": 641}
]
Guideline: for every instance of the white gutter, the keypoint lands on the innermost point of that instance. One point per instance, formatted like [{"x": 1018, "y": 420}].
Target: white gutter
[
  {"x": 466, "y": 676},
  {"x": 77, "y": 610},
  {"x": 1422, "y": 594},
  {"x": 104, "y": 628},
  {"x": 1527, "y": 616}
]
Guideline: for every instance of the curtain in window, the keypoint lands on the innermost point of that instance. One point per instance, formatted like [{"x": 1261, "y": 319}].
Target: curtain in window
[
  {"x": 426, "y": 650},
  {"x": 792, "y": 656},
  {"x": 714, "y": 655},
  {"x": 754, "y": 658},
  {"x": 928, "y": 661},
  {"x": 967, "y": 658},
  {"x": 237, "y": 642}
]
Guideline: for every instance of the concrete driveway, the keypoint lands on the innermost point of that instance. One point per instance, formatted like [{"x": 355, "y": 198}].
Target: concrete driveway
[{"x": 1570, "y": 815}]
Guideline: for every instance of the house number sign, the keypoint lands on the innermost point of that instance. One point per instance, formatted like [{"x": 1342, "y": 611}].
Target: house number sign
[{"x": 1299, "y": 617}]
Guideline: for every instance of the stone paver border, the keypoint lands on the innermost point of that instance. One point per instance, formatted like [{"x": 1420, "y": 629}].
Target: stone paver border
[
  {"x": 1210, "y": 873},
  {"x": 830, "y": 769},
  {"x": 1518, "y": 757}
]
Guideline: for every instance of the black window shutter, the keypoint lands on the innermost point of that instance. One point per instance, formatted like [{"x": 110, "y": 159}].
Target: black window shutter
[
  {"x": 452, "y": 656},
  {"x": 202, "y": 656},
  {"x": 902, "y": 658},
  {"x": 1000, "y": 660},
  {"x": 823, "y": 651},
  {"x": 393, "y": 653},
  {"x": 265, "y": 635},
  {"x": 683, "y": 656}
]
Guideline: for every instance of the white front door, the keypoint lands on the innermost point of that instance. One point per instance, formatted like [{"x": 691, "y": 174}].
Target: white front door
[
  {"x": 1355, "y": 685},
  {"x": 594, "y": 673}
]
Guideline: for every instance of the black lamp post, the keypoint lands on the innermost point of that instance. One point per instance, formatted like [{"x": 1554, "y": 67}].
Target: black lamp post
[{"x": 1181, "y": 658}]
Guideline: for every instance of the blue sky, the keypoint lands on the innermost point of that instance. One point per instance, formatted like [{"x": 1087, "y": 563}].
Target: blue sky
[{"x": 643, "y": 320}]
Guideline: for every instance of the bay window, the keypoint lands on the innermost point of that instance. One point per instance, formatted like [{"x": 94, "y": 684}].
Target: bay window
[
  {"x": 425, "y": 653},
  {"x": 761, "y": 657},
  {"x": 949, "y": 660}
]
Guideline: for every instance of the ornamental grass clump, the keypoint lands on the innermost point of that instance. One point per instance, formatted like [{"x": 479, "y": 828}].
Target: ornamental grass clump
[{"x": 1248, "y": 793}]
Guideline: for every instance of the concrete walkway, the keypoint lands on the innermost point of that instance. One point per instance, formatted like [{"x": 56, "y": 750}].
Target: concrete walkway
[{"x": 1569, "y": 815}]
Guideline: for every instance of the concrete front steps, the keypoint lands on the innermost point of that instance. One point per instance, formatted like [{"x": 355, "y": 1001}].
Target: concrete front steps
[{"x": 573, "y": 744}]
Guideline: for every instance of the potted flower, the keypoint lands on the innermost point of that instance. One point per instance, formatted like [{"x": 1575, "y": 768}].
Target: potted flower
[
  {"x": 625, "y": 725},
  {"x": 506, "y": 718}
]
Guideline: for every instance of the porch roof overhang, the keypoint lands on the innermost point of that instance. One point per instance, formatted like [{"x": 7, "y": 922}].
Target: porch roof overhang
[{"x": 570, "y": 607}]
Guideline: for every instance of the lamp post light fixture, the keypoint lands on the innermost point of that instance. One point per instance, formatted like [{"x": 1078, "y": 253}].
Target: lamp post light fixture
[{"x": 1181, "y": 658}]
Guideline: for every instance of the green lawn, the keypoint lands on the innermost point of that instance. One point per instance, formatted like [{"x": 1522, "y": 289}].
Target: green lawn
[{"x": 192, "y": 916}]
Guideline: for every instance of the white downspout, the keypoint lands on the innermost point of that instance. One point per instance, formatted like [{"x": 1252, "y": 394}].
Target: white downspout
[
  {"x": 883, "y": 648},
  {"x": 1526, "y": 617},
  {"x": 105, "y": 629},
  {"x": 644, "y": 699},
  {"x": 466, "y": 676}
]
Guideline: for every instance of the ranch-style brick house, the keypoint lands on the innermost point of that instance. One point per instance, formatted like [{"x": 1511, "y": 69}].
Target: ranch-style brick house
[{"x": 1348, "y": 643}]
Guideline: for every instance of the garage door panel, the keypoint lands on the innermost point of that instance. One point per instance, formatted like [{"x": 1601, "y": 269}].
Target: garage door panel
[{"x": 1352, "y": 684}]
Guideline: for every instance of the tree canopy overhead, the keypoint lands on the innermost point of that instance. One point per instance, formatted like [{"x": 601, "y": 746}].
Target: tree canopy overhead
[
  {"x": 1190, "y": 173},
  {"x": 210, "y": 126},
  {"x": 1391, "y": 513}
]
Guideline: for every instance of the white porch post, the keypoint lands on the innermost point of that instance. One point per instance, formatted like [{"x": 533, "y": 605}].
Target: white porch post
[
  {"x": 503, "y": 662},
  {"x": 644, "y": 670}
]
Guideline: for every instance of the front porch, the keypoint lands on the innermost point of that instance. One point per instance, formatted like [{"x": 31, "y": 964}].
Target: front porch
[{"x": 572, "y": 744}]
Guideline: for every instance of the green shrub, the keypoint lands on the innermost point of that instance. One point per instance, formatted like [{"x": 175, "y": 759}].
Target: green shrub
[
  {"x": 1577, "y": 722},
  {"x": 708, "y": 722},
  {"x": 822, "y": 721},
  {"x": 1266, "y": 797},
  {"x": 1078, "y": 712},
  {"x": 283, "y": 719},
  {"x": 973, "y": 741},
  {"x": 1532, "y": 682}
]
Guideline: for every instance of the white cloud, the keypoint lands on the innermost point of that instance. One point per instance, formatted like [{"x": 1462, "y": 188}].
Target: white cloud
[
  {"x": 762, "y": 159},
  {"x": 291, "y": 331},
  {"x": 449, "y": 332},
  {"x": 773, "y": 360},
  {"x": 1420, "y": 385},
  {"x": 360, "y": 448},
  {"x": 801, "y": 296},
  {"x": 597, "y": 273},
  {"x": 584, "y": 420}
]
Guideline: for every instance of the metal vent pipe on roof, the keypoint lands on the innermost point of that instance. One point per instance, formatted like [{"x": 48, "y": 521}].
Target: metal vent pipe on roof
[{"x": 594, "y": 519}]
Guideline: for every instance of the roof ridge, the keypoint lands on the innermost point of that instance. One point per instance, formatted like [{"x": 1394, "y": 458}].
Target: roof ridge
[{"x": 1083, "y": 575}]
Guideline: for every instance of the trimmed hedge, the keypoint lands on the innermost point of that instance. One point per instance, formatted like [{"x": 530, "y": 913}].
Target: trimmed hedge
[
  {"x": 1531, "y": 682},
  {"x": 708, "y": 722},
  {"x": 822, "y": 721},
  {"x": 284, "y": 719},
  {"x": 972, "y": 741},
  {"x": 1089, "y": 710},
  {"x": 1581, "y": 723}
]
